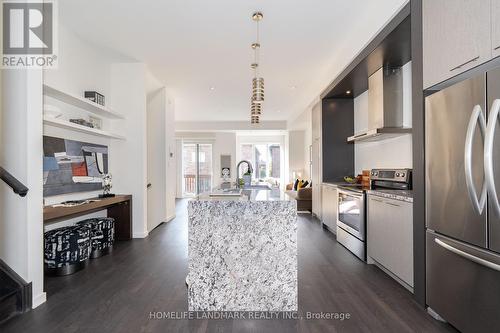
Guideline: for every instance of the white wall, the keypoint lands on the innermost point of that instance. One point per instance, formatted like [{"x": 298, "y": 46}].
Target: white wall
[
  {"x": 85, "y": 66},
  {"x": 161, "y": 157},
  {"x": 82, "y": 66},
  {"x": 229, "y": 126},
  {"x": 296, "y": 157},
  {"x": 300, "y": 147},
  {"x": 178, "y": 168},
  {"x": 157, "y": 158},
  {"x": 129, "y": 157},
  {"x": 172, "y": 156},
  {"x": 21, "y": 219},
  {"x": 390, "y": 153},
  {"x": 223, "y": 143}
]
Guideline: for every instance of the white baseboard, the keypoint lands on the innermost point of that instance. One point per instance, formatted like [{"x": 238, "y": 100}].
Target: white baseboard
[
  {"x": 140, "y": 234},
  {"x": 170, "y": 218},
  {"x": 39, "y": 299}
]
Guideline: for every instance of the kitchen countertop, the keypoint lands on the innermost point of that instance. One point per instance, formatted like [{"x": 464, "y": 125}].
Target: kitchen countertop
[
  {"x": 334, "y": 183},
  {"x": 348, "y": 186},
  {"x": 402, "y": 195},
  {"x": 273, "y": 194},
  {"x": 342, "y": 184}
]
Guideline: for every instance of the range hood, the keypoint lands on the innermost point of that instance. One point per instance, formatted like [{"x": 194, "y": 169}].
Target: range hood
[{"x": 385, "y": 106}]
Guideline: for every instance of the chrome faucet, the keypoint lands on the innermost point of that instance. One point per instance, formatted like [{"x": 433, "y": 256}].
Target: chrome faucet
[{"x": 250, "y": 169}]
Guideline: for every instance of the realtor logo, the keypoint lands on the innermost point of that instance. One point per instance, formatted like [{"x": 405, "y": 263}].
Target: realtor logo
[{"x": 29, "y": 34}]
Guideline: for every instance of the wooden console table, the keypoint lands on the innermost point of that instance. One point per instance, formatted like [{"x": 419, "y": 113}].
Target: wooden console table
[{"x": 118, "y": 207}]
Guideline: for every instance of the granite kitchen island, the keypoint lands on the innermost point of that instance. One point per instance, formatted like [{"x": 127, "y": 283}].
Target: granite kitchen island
[{"x": 243, "y": 252}]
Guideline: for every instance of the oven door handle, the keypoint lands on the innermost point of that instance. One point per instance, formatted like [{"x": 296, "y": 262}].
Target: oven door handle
[{"x": 350, "y": 194}]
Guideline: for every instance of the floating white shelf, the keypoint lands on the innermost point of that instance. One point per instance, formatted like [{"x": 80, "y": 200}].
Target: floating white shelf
[
  {"x": 80, "y": 128},
  {"x": 81, "y": 103}
]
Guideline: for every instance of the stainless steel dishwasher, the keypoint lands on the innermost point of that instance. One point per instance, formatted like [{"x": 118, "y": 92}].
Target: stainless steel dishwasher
[{"x": 390, "y": 236}]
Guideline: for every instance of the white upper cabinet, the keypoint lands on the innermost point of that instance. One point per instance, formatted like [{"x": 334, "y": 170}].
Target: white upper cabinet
[
  {"x": 456, "y": 37},
  {"x": 495, "y": 27}
]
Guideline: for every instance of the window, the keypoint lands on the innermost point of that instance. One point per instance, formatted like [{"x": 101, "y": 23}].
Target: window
[{"x": 265, "y": 159}]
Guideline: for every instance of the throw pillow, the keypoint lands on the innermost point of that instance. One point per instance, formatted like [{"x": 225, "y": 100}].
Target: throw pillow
[
  {"x": 295, "y": 184},
  {"x": 300, "y": 185},
  {"x": 305, "y": 184}
]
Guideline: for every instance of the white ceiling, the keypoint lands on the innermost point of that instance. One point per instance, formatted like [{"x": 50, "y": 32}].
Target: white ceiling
[{"x": 192, "y": 45}]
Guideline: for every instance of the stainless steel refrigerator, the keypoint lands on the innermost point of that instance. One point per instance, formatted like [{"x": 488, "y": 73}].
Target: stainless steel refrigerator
[{"x": 462, "y": 203}]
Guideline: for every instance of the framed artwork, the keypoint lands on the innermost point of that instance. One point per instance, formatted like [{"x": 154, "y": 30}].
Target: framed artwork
[
  {"x": 72, "y": 166},
  {"x": 225, "y": 163}
]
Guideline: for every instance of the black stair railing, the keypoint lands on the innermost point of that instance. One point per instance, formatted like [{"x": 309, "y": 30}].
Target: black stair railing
[{"x": 15, "y": 184}]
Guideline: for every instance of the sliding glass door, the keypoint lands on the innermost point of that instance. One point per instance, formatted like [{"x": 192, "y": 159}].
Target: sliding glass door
[{"x": 196, "y": 168}]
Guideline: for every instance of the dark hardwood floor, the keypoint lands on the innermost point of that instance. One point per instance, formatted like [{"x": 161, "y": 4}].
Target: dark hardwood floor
[{"x": 116, "y": 293}]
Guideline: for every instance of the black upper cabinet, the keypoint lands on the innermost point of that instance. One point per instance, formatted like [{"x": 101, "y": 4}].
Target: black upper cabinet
[{"x": 337, "y": 125}]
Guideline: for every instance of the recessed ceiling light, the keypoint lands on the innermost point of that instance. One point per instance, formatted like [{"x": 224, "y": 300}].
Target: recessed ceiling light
[
  {"x": 293, "y": 87},
  {"x": 278, "y": 111},
  {"x": 348, "y": 92},
  {"x": 212, "y": 88}
]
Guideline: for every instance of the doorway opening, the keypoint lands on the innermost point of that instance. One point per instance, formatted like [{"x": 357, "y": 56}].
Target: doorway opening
[{"x": 197, "y": 172}]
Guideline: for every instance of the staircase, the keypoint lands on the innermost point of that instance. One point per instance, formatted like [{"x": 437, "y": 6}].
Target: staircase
[{"x": 15, "y": 293}]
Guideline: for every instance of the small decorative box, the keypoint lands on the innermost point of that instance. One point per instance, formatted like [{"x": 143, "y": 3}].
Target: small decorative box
[{"x": 95, "y": 97}]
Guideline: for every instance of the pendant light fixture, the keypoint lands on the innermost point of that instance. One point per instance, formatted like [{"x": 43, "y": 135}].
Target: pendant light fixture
[{"x": 257, "y": 82}]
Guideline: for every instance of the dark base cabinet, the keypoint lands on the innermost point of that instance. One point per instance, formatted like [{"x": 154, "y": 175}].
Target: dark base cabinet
[
  {"x": 464, "y": 292},
  {"x": 122, "y": 212}
]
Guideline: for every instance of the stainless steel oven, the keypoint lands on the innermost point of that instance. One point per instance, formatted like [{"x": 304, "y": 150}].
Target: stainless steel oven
[
  {"x": 351, "y": 213},
  {"x": 351, "y": 217},
  {"x": 351, "y": 221}
]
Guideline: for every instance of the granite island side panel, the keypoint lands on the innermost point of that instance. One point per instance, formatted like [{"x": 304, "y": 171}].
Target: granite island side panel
[{"x": 242, "y": 255}]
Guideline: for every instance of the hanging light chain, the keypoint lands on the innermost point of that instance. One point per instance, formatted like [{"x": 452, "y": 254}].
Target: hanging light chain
[{"x": 257, "y": 82}]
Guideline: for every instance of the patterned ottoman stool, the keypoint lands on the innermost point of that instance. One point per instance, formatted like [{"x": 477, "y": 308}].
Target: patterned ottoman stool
[
  {"x": 102, "y": 235},
  {"x": 66, "y": 249}
]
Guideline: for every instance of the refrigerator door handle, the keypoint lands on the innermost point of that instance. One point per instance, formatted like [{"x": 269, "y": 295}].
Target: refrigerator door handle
[
  {"x": 488, "y": 154},
  {"x": 468, "y": 256},
  {"x": 476, "y": 117}
]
